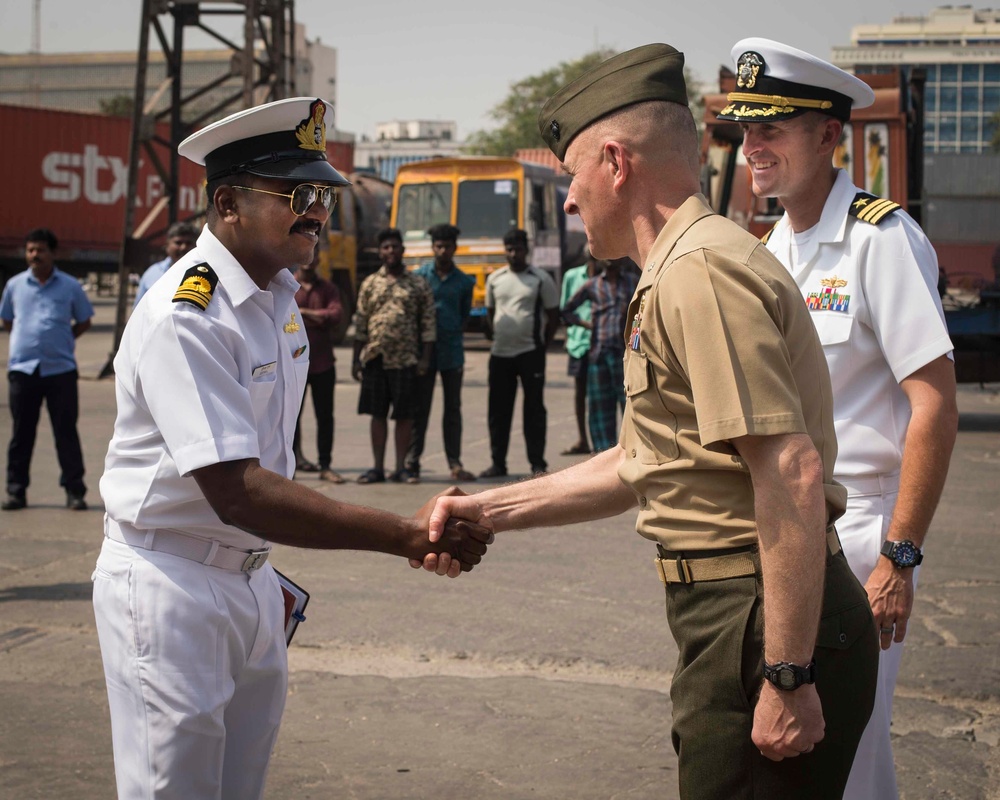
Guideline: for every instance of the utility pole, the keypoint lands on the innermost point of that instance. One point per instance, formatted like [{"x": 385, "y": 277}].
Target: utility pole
[
  {"x": 261, "y": 62},
  {"x": 36, "y": 27}
]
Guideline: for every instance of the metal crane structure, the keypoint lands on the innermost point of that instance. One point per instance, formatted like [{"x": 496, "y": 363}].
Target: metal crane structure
[{"x": 266, "y": 63}]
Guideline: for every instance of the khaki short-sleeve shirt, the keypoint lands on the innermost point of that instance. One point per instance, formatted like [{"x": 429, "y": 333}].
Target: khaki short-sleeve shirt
[{"x": 720, "y": 345}]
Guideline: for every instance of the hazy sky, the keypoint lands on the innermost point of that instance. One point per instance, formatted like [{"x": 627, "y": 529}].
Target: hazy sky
[{"x": 454, "y": 60}]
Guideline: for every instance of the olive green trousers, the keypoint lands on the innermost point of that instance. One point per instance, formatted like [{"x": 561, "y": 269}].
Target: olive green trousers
[{"x": 719, "y": 630}]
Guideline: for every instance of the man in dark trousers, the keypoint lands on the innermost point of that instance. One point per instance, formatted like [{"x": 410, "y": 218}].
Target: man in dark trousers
[
  {"x": 727, "y": 449},
  {"x": 320, "y": 308},
  {"x": 523, "y": 314},
  {"x": 45, "y": 310},
  {"x": 452, "y": 290}
]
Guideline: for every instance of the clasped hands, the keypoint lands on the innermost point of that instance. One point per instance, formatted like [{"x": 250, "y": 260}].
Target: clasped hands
[{"x": 456, "y": 533}]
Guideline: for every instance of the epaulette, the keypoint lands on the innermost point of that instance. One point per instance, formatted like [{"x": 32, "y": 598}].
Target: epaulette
[
  {"x": 869, "y": 208},
  {"x": 197, "y": 287},
  {"x": 766, "y": 236}
]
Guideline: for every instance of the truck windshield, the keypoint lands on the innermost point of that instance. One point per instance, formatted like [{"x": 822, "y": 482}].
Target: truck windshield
[
  {"x": 487, "y": 209},
  {"x": 422, "y": 205}
]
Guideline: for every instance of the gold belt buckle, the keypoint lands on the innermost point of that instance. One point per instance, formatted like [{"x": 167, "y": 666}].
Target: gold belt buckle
[{"x": 255, "y": 560}]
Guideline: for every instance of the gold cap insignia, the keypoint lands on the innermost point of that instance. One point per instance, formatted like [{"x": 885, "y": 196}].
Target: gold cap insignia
[
  {"x": 749, "y": 64},
  {"x": 292, "y": 326},
  {"x": 197, "y": 286},
  {"x": 833, "y": 283},
  {"x": 311, "y": 132}
]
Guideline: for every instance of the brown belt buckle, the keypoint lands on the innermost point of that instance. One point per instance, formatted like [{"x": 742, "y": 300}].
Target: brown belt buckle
[{"x": 684, "y": 571}]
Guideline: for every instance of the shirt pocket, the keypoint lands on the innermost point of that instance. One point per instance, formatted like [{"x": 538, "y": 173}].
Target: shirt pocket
[
  {"x": 653, "y": 425},
  {"x": 834, "y": 329},
  {"x": 261, "y": 390}
]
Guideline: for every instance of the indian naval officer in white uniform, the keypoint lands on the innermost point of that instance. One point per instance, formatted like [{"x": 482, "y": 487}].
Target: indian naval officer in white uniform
[
  {"x": 869, "y": 276},
  {"x": 209, "y": 381}
]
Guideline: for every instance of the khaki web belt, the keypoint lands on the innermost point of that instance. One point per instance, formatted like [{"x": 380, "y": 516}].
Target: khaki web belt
[{"x": 702, "y": 565}]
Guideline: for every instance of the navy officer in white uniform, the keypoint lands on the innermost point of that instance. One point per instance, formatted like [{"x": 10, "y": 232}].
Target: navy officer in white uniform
[
  {"x": 869, "y": 277},
  {"x": 209, "y": 381}
]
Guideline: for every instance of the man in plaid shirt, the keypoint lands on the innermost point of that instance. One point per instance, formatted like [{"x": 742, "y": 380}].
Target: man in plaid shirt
[{"x": 609, "y": 294}]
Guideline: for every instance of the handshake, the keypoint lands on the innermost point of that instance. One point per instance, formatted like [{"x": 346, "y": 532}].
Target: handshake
[{"x": 451, "y": 534}]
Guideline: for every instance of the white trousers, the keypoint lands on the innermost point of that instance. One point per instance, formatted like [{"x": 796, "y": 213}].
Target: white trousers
[
  {"x": 197, "y": 670},
  {"x": 862, "y": 530}
]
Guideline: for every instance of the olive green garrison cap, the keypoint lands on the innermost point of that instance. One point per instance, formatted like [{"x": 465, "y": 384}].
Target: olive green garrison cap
[{"x": 650, "y": 72}]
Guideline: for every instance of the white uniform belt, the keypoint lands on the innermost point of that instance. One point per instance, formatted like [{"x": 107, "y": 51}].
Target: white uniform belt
[
  {"x": 858, "y": 485},
  {"x": 185, "y": 545}
]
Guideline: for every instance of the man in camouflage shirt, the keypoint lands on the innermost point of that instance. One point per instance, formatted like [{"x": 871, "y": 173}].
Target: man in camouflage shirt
[{"x": 395, "y": 326}]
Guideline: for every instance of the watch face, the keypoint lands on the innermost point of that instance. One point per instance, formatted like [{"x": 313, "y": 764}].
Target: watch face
[
  {"x": 905, "y": 554},
  {"x": 786, "y": 677}
]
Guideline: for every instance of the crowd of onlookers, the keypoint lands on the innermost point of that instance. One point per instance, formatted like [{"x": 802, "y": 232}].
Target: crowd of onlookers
[{"x": 408, "y": 328}]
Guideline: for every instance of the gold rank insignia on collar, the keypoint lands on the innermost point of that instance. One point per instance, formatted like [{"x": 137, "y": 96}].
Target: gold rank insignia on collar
[
  {"x": 869, "y": 208},
  {"x": 292, "y": 326},
  {"x": 197, "y": 286}
]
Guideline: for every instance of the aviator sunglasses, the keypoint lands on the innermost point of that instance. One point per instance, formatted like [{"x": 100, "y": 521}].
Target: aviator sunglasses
[{"x": 302, "y": 197}]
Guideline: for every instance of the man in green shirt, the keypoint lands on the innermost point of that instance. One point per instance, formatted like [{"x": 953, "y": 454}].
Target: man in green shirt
[{"x": 577, "y": 347}]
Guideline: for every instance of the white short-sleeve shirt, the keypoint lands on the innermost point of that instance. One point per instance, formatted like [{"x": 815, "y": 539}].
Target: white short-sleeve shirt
[
  {"x": 872, "y": 293},
  {"x": 519, "y": 301},
  {"x": 199, "y": 387}
]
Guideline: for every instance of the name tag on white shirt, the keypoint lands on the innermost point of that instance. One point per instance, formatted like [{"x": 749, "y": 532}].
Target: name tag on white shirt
[{"x": 264, "y": 369}]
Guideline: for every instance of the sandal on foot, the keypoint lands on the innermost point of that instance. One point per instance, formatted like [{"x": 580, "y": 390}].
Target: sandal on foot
[
  {"x": 372, "y": 476},
  {"x": 405, "y": 476}
]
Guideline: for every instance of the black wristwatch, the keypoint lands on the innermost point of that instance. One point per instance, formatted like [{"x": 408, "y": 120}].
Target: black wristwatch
[
  {"x": 787, "y": 676},
  {"x": 902, "y": 554}
]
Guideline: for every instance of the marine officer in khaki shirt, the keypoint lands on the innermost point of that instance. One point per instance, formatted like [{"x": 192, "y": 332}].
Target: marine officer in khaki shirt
[{"x": 727, "y": 448}]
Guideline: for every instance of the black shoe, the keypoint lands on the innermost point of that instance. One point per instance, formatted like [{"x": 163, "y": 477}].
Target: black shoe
[
  {"x": 14, "y": 502},
  {"x": 493, "y": 471},
  {"x": 75, "y": 502},
  {"x": 537, "y": 470}
]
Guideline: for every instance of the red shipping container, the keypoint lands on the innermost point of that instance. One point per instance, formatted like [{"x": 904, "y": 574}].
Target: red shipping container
[{"x": 69, "y": 172}]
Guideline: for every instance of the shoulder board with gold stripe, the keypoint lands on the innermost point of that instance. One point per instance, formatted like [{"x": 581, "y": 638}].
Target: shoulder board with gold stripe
[
  {"x": 197, "y": 286},
  {"x": 766, "y": 236},
  {"x": 869, "y": 208}
]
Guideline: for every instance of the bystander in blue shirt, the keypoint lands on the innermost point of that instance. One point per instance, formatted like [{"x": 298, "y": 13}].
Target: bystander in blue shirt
[
  {"x": 43, "y": 316},
  {"x": 453, "y": 300},
  {"x": 151, "y": 276}
]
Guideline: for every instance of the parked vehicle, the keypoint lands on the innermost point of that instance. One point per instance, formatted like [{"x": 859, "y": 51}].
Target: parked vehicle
[{"x": 485, "y": 197}]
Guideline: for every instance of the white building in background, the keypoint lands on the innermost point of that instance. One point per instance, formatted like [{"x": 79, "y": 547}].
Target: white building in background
[
  {"x": 82, "y": 81},
  {"x": 960, "y": 49},
  {"x": 402, "y": 141}
]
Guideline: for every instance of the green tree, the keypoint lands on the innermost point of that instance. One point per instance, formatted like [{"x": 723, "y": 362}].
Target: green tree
[
  {"x": 120, "y": 105},
  {"x": 517, "y": 114}
]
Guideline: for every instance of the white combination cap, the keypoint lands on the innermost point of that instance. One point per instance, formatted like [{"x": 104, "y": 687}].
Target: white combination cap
[
  {"x": 283, "y": 139},
  {"x": 776, "y": 82}
]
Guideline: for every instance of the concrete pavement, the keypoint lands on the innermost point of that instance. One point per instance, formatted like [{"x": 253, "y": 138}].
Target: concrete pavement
[{"x": 543, "y": 674}]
